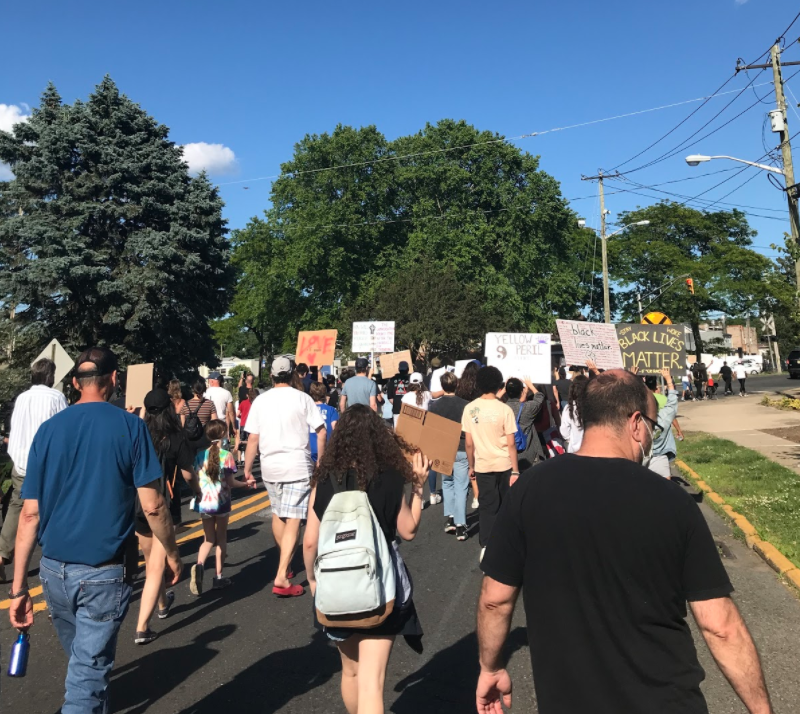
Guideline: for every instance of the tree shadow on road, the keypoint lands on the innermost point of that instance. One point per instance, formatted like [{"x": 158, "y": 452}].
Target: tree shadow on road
[
  {"x": 446, "y": 683},
  {"x": 274, "y": 681}
]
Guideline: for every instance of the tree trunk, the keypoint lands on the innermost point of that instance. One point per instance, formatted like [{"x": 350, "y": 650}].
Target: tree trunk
[{"x": 698, "y": 341}]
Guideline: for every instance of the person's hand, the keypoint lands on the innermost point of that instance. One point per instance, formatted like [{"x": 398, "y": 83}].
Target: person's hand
[
  {"x": 420, "y": 464},
  {"x": 312, "y": 586},
  {"x": 667, "y": 375},
  {"x": 130, "y": 410},
  {"x": 472, "y": 472},
  {"x": 592, "y": 366},
  {"x": 634, "y": 370},
  {"x": 513, "y": 479},
  {"x": 21, "y": 613},
  {"x": 251, "y": 480},
  {"x": 174, "y": 569},
  {"x": 494, "y": 691},
  {"x": 530, "y": 385}
]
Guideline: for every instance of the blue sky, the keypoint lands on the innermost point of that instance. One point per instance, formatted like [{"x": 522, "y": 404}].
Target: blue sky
[{"x": 255, "y": 77}]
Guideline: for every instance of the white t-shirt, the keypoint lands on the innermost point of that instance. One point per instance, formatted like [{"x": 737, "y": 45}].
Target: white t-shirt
[
  {"x": 740, "y": 371},
  {"x": 571, "y": 431},
  {"x": 31, "y": 410},
  {"x": 411, "y": 399},
  {"x": 281, "y": 419},
  {"x": 221, "y": 398}
]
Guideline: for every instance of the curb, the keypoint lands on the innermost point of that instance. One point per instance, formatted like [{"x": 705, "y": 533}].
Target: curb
[{"x": 768, "y": 552}]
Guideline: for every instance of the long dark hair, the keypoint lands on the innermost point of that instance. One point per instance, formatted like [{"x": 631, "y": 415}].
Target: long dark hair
[
  {"x": 576, "y": 391},
  {"x": 362, "y": 443},
  {"x": 162, "y": 426},
  {"x": 215, "y": 431},
  {"x": 467, "y": 388}
]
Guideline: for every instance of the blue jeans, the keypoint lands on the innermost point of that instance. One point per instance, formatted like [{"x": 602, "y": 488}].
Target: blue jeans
[
  {"x": 454, "y": 490},
  {"x": 87, "y": 605}
]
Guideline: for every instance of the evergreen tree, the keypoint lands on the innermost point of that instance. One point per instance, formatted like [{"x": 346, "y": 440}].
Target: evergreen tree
[{"x": 104, "y": 236}]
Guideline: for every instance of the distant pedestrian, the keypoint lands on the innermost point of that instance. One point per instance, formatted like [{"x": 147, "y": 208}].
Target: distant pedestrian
[
  {"x": 606, "y": 610},
  {"x": 686, "y": 384},
  {"x": 526, "y": 402},
  {"x": 741, "y": 374},
  {"x": 85, "y": 467},
  {"x": 305, "y": 376},
  {"x": 196, "y": 413},
  {"x": 562, "y": 385},
  {"x": 727, "y": 377},
  {"x": 175, "y": 391},
  {"x": 456, "y": 486},
  {"x": 398, "y": 388},
  {"x": 359, "y": 389},
  {"x": 467, "y": 391},
  {"x": 490, "y": 427},
  {"x": 329, "y": 415},
  {"x": 366, "y": 456},
  {"x": 31, "y": 409},
  {"x": 418, "y": 395},
  {"x": 280, "y": 420},
  {"x": 700, "y": 374},
  {"x": 664, "y": 447},
  {"x": 223, "y": 401},
  {"x": 246, "y": 383}
]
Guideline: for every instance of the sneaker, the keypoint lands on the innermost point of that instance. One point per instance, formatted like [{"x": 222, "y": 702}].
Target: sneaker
[
  {"x": 146, "y": 637},
  {"x": 461, "y": 533},
  {"x": 164, "y": 614},
  {"x": 475, "y": 503},
  {"x": 449, "y": 525},
  {"x": 435, "y": 498},
  {"x": 220, "y": 582},
  {"x": 196, "y": 579}
]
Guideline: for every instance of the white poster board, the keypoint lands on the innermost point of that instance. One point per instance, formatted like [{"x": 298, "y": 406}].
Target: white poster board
[
  {"x": 55, "y": 352},
  {"x": 461, "y": 365},
  {"x": 373, "y": 337},
  {"x": 596, "y": 341},
  {"x": 522, "y": 355}
]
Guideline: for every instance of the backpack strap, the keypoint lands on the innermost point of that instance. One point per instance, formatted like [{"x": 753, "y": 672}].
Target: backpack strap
[{"x": 199, "y": 407}]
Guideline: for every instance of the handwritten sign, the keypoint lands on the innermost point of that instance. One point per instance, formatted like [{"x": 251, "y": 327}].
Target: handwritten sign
[
  {"x": 373, "y": 337},
  {"x": 595, "y": 341},
  {"x": 520, "y": 355},
  {"x": 650, "y": 348},
  {"x": 316, "y": 348}
]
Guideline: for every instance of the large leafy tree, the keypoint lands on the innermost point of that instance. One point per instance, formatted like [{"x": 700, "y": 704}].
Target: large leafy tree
[
  {"x": 352, "y": 211},
  {"x": 711, "y": 247},
  {"x": 106, "y": 239}
]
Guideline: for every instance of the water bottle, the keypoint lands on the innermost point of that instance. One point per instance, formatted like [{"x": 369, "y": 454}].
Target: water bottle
[{"x": 18, "y": 663}]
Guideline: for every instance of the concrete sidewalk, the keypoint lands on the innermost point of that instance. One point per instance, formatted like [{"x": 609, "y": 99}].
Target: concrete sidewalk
[{"x": 740, "y": 420}]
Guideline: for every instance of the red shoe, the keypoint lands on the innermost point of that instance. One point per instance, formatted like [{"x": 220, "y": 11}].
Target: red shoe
[
  {"x": 291, "y": 591},
  {"x": 290, "y": 574}
]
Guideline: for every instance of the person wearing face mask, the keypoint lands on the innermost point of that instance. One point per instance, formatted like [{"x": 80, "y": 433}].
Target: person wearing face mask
[{"x": 608, "y": 554}]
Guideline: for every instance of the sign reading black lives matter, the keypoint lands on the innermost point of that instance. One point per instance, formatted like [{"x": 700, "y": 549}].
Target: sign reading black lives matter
[{"x": 650, "y": 348}]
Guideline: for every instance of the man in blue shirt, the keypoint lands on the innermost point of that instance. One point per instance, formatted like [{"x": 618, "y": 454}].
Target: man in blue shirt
[
  {"x": 85, "y": 468},
  {"x": 359, "y": 389}
]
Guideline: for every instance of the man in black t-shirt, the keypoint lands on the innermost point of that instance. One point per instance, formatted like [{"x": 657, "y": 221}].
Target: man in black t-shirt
[
  {"x": 245, "y": 385},
  {"x": 609, "y": 554},
  {"x": 727, "y": 376},
  {"x": 398, "y": 388}
]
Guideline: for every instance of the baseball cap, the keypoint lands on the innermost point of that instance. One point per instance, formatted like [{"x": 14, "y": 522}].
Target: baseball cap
[
  {"x": 103, "y": 359},
  {"x": 214, "y": 375},
  {"x": 156, "y": 401},
  {"x": 416, "y": 378},
  {"x": 362, "y": 363},
  {"x": 403, "y": 366},
  {"x": 281, "y": 365},
  {"x": 436, "y": 363}
]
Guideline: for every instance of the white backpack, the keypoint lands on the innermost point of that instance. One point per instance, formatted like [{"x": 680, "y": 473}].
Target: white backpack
[{"x": 354, "y": 570}]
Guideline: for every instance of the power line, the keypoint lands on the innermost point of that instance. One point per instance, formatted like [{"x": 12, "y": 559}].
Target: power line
[{"x": 484, "y": 143}]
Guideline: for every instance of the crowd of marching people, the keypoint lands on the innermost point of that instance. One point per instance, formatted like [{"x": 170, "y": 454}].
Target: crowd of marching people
[{"x": 344, "y": 485}]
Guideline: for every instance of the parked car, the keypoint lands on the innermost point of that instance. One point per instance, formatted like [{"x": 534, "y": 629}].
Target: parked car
[
  {"x": 793, "y": 364},
  {"x": 754, "y": 367}
]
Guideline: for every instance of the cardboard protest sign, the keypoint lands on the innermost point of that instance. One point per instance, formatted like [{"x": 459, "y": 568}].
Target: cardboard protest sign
[
  {"x": 595, "y": 341},
  {"x": 373, "y": 337},
  {"x": 140, "y": 382},
  {"x": 433, "y": 435},
  {"x": 650, "y": 348},
  {"x": 56, "y": 353},
  {"x": 390, "y": 364},
  {"x": 316, "y": 348},
  {"x": 521, "y": 355}
]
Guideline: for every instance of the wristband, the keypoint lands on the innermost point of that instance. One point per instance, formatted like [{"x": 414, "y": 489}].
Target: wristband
[
  {"x": 515, "y": 473},
  {"x": 20, "y": 593}
]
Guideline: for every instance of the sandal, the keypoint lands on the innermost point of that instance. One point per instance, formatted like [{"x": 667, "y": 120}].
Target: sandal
[{"x": 291, "y": 591}]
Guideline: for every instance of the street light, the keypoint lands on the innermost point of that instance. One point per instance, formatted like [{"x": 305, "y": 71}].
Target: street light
[
  {"x": 697, "y": 159},
  {"x": 606, "y": 297}
]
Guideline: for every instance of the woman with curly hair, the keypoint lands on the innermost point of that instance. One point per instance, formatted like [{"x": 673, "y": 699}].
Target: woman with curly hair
[
  {"x": 363, "y": 454},
  {"x": 571, "y": 420}
]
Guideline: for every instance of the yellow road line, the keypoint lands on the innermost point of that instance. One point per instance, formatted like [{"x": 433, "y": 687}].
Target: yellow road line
[
  {"x": 262, "y": 503},
  {"x": 235, "y": 506}
]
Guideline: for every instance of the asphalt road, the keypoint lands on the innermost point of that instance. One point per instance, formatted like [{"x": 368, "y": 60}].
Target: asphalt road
[{"x": 244, "y": 650}]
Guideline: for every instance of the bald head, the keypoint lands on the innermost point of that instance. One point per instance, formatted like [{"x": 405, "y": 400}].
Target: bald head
[{"x": 612, "y": 397}]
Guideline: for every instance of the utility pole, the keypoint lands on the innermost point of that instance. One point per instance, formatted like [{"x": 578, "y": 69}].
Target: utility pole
[
  {"x": 786, "y": 148},
  {"x": 606, "y": 297}
]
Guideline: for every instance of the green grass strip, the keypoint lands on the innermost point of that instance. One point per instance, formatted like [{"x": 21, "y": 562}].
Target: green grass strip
[{"x": 765, "y": 493}]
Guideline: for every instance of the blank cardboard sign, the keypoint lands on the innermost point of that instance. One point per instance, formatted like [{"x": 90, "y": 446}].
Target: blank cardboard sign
[
  {"x": 390, "y": 364},
  {"x": 436, "y": 437},
  {"x": 140, "y": 382}
]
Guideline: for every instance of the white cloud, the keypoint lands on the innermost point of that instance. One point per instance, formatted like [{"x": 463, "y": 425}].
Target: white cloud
[
  {"x": 216, "y": 159},
  {"x": 11, "y": 114}
]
